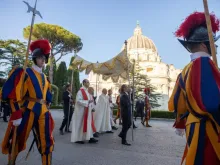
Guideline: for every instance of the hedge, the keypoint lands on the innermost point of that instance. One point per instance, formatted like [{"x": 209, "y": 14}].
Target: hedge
[
  {"x": 154, "y": 114},
  {"x": 56, "y": 107},
  {"x": 163, "y": 114}
]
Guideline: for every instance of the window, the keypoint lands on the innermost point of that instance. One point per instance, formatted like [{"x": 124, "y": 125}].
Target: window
[{"x": 149, "y": 69}]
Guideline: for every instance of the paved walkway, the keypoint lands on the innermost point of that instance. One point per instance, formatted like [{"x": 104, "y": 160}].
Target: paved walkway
[{"x": 158, "y": 145}]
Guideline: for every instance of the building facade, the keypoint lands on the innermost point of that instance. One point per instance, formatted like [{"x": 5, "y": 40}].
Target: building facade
[{"x": 142, "y": 49}]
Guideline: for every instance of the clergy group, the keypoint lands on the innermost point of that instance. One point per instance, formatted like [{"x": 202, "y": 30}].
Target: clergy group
[{"x": 91, "y": 117}]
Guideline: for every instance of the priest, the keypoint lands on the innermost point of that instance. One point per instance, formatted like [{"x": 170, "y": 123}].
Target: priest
[
  {"x": 82, "y": 118},
  {"x": 102, "y": 114}
]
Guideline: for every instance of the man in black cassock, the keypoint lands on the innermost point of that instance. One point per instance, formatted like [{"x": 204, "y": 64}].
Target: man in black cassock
[{"x": 67, "y": 109}]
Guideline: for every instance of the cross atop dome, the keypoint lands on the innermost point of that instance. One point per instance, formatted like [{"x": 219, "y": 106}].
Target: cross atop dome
[{"x": 138, "y": 30}]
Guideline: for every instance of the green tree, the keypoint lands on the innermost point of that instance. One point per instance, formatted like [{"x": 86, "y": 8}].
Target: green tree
[
  {"x": 76, "y": 80},
  {"x": 140, "y": 83},
  {"x": 61, "y": 79},
  {"x": 62, "y": 41},
  {"x": 12, "y": 53}
]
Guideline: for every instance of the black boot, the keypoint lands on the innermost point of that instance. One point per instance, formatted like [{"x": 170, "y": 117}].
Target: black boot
[
  {"x": 68, "y": 131},
  {"x": 96, "y": 134},
  {"x": 5, "y": 120},
  {"x": 61, "y": 132},
  {"x": 93, "y": 140},
  {"x": 114, "y": 128},
  {"x": 124, "y": 142}
]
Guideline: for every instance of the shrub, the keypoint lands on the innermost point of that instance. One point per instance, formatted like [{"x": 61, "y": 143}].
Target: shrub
[
  {"x": 56, "y": 107},
  {"x": 162, "y": 114},
  {"x": 154, "y": 114}
]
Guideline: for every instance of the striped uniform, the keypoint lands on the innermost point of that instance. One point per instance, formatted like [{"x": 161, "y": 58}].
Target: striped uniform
[
  {"x": 147, "y": 108},
  {"x": 35, "y": 115},
  {"x": 118, "y": 103},
  {"x": 196, "y": 102}
]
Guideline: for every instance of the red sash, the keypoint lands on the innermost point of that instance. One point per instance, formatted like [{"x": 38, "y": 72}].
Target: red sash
[{"x": 86, "y": 111}]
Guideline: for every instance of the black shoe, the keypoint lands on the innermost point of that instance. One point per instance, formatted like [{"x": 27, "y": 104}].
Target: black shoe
[
  {"x": 5, "y": 120},
  {"x": 120, "y": 135},
  {"x": 125, "y": 143},
  {"x": 61, "y": 132},
  {"x": 68, "y": 131},
  {"x": 109, "y": 132},
  {"x": 96, "y": 134},
  {"x": 114, "y": 128},
  {"x": 134, "y": 126},
  {"x": 93, "y": 140},
  {"x": 80, "y": 142}
]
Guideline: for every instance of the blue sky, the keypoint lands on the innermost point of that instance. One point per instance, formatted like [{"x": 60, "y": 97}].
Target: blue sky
[{"x": 104, "y": 25}]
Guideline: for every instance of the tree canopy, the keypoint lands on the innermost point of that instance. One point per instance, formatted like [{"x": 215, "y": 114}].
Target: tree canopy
[
  {"x": 12, "y": 53},
  {"x": 62, "y": 41},
  {"x": 61, "y": 78}
]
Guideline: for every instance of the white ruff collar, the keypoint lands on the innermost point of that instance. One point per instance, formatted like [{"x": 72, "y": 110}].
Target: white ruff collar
[
  {"x": 196, "y": 55},
  {"x": 37, "y": 69}
]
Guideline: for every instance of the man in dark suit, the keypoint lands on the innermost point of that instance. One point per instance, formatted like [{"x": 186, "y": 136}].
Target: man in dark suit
[
  {"x": 139, "y": 109},
  {"x": 67, "y": 109},
  {"x": 125, "y": 104}
]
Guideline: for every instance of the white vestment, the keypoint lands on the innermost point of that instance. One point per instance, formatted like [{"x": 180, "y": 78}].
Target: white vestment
[
  {"x": 111, "y": 112},
  {"x": 78, "y": 118},
  {"x": 102, "y": 114}
]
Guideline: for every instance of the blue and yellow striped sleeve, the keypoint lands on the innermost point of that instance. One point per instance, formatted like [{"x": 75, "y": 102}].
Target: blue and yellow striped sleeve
[
  {"x": 177, "y": 103},
  {"x": 11, "y": 90}
]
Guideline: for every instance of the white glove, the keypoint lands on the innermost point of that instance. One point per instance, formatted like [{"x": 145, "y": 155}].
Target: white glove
[
  {"x": 180, "y": 132},
  {"x": 17, "y": 122}
]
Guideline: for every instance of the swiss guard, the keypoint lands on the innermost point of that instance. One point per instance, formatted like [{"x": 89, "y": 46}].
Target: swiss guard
[
  {"x": 147, "y": 107},
  {"x": 196, "y": 95},
  {"x": 30, "y": 106}
]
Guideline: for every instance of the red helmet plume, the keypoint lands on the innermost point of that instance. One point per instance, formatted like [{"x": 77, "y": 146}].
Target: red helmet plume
[
  {"x": 43, "y": 44},
  {"x": 146, "y": 90},
  {"x": 194, "y": 21}
]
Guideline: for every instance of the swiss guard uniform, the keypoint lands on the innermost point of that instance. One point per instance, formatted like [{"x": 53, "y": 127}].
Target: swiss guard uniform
[
  {"x": 196, "y": 96},
  {"x": 30, "y": 106},
  {"x": 147, "y": 107},
  {"x": 119, "y": 110}
]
